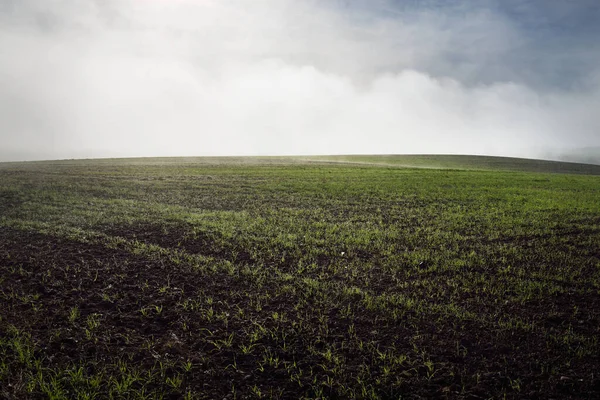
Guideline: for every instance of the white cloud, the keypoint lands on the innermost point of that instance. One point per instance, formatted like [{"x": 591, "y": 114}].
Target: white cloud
[{"x": 150, "y": 77}]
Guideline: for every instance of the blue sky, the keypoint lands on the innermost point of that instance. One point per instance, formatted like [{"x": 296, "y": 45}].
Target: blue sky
[
  {"x": 91, "y": 78},
  {"x": 554, "y": 43}
]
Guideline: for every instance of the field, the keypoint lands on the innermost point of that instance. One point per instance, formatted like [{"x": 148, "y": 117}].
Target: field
[{"x": 287, "y": 278}]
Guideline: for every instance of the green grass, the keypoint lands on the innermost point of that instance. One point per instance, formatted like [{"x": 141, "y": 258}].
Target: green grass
[
  {"x": 431, "y": 161},
  {"x": 462, "y": 162},
  {"x": 293, "y": 278}
]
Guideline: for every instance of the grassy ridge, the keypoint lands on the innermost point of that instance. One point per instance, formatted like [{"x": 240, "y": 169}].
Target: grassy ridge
[
  {"x": 487, "y": 163},
  {"x": 167, "y": 279},
  {"x": 459, "y": 162}
]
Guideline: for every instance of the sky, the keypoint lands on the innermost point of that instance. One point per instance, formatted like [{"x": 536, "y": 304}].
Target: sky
[{"x": 131, "y": 78}]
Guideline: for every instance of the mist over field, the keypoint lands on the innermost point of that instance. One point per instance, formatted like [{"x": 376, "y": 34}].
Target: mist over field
[
  {"x": 425, "y": 238},
  {"x": 118, "y": 78}
]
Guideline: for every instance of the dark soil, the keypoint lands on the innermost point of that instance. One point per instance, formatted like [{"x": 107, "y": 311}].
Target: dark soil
[{"x": 45, "y": 277}]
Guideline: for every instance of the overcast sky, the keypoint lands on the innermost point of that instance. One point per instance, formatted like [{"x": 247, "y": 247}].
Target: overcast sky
[{"x": 118, "y": 78}]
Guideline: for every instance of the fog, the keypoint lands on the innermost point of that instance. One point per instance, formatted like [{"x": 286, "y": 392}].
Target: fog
[{"x": 125, "y": 78}]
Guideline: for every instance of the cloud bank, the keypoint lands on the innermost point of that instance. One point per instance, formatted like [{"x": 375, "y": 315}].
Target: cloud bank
[{"x": 84, "y": 78}]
